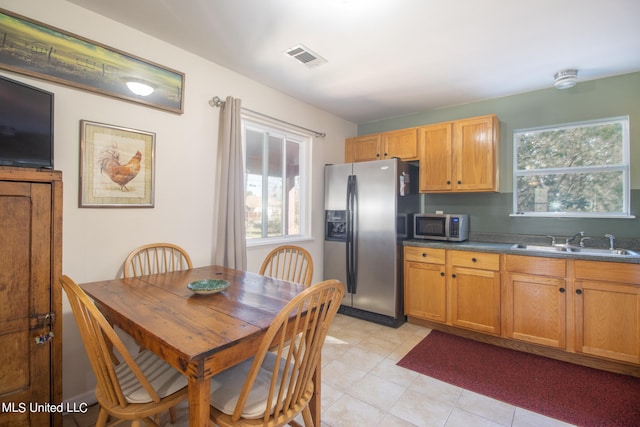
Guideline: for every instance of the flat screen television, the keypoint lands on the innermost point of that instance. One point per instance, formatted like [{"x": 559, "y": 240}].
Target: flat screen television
[{"x": 26, "y": 125}]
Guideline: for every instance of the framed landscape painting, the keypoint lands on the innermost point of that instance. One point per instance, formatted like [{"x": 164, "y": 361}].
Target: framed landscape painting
[
  {"x": 35, "y": 49},
  {"x": 117, "y": 166}
]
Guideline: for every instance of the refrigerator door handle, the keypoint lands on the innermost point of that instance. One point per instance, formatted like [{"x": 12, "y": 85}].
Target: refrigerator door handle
[
  {"x": 354, "y": 231},
  {"x": 350, "y": 235}
]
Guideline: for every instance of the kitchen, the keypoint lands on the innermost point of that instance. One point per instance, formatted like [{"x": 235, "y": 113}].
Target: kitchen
[{"x": 96, "y": 241}]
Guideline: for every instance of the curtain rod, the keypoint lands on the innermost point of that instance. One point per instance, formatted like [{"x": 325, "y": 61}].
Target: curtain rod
[{"x": 217, "y": 102}]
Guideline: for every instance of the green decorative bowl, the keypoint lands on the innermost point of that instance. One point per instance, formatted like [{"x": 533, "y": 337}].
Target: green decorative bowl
[{"x": 208, "y": 286}]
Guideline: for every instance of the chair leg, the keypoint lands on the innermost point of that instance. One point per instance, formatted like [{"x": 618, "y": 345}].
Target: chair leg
[
  {"x": 103, "y": 416},
  {"x": 306, "y": 415},
  {"x": 172, "y": 415}
]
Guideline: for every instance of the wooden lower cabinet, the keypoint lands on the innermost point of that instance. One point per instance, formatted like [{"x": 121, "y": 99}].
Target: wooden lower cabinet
[
  {"x": 535, "y": 300},
  {"x": 31, "y": 308},
  {"x": 581, "y": 311},
  {"x": 425, "y": 293},
  {"x": 607, "y": 299},
  {"x": 474, "y": 289}
]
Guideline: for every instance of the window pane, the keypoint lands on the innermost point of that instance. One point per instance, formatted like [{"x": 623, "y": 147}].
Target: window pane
[
  {"x": 274, "y": 198},
  {"x": 572, "y": 192},
  {"x": 253, "y": 182},
  {"x": 593, "y": 145},
  {"x": 293, "y": 188},
  {"x": 274, "y": 212}
]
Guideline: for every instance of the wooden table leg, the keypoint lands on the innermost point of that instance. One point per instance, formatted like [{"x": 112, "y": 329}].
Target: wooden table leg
[
  {"x": 199, "y": 402},
  {"x": 314, "y": 404}
]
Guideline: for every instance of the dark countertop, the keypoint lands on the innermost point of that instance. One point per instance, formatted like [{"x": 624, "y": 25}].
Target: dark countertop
[{"x": 506, "y": 248}]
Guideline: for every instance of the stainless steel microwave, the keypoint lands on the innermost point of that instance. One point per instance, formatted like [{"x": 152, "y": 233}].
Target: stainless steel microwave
[{"x": 450, "y": 227}]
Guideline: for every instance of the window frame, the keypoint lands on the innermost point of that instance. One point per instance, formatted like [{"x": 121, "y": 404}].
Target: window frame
[
  {"x": 304, "y": 141},
  {"x": 624, "y": 167}
]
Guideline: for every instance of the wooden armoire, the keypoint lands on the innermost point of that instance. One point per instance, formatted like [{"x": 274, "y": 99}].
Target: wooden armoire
[{"x": 30, "y": 297}]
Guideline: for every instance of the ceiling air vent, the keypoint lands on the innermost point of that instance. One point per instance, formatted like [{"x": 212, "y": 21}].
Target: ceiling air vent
[{"x": 305, "y": 56}]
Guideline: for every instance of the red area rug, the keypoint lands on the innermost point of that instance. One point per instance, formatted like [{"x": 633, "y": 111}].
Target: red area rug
[{"x": 564, "y": 391}]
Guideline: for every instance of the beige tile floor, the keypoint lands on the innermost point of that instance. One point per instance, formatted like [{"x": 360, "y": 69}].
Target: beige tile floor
[{"x": 363, "y": 386}]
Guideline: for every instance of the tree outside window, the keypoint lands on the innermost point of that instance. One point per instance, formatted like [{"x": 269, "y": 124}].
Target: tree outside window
[{"x": 578, "y": 169}]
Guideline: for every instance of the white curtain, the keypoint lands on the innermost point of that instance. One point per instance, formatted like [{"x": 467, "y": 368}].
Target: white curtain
[{"x": 230, "y": 243}]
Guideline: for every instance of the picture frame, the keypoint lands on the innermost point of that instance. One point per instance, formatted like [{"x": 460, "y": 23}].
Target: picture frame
[
  {"x": 38, "y": 50},
  {"x": 117, "y": 166}
]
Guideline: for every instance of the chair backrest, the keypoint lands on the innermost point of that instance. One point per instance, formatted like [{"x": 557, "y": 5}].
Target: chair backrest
[
  {"x": 156, "y": 258},
  {"x": 99, "y": 339},
  {"x": 291, "y": 263},
  {"x": 306, "y": 318}
]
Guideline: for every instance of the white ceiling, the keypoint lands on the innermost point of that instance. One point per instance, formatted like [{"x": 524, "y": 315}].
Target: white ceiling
[{"x": 388, "y": 58}]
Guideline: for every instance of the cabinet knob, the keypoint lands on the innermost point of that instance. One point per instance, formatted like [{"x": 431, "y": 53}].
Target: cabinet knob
[
  {"x": 453, "y": 275},
  {"x": 579, "y": 291},
  {"x": 377, "y": 154},
  {"x": 442, "y": 273},
  {"x": 424, "y": 254},
  {"x": 448, "y": 182},
  {"x": 561, "y": 290},
  {"x": 474, "y": 260},
  {"x": 386, "y": 154},
  {"x": 459, "y": 182}
]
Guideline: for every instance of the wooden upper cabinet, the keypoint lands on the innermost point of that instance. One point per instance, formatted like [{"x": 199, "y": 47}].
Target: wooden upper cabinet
[
  {"x": 460, "y": 156},
  {"x": 362, "y": 148},
  {"x": 436, "y": 161},
  {"x": 401, "y": 143}
]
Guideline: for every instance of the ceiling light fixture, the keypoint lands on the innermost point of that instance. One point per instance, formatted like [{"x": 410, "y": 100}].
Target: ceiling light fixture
[
  {"x": 565, "y": 79},
  {"x": 140, "y": 88}
]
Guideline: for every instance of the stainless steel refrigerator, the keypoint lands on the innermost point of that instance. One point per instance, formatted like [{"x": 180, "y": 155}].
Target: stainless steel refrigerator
[{"x": 368, "y": 207}]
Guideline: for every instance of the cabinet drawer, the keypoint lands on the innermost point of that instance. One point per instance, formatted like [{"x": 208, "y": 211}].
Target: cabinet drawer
[
  {"x": 538, "y": 266},
  {"x": 429, "y": 255},
  {"x": 608, "y": 271},
  {"x": 481, "y": 260}
]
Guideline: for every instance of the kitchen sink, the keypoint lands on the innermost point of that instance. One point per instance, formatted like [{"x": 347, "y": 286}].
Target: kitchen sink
[
  {"x": 605, "y": 252},
  {"x": 576, "y": 250},
  {"x": 540, "y": 248}
]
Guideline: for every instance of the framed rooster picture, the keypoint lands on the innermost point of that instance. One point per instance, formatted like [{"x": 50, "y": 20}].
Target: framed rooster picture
[{"x": 117, "y": 166}]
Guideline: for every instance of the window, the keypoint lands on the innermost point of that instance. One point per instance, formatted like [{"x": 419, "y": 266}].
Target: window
[
  {"x": 276, "y": 169},
  {"x": 578, "y": 169}
]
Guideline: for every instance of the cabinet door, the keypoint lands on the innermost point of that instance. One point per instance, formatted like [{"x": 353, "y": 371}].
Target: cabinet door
[
  {"x": 535, "y": 309},
  {"x": 475, "y": 299},
  {"x": 25, "y": 292},
  {"x": 400, "y": 143},
  {"x": 435, "y": 157},
  {"x": 362, "y": 148},
  {"x": 608, "y": 319},
  {"x": 425, "y": 291},
  {"x": 474, "y": 154}
]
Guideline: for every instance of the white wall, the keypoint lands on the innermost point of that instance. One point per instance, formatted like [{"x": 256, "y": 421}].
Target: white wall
[{"x": 96, "y": 241}]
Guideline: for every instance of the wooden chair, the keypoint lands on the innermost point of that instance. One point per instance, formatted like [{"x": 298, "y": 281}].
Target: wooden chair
[
  {"x": 273, "y": 387},
  {"x": 137, "y": 388},
  {"x": 288, "y": 262},
  {"x": 156, "y": 258}
]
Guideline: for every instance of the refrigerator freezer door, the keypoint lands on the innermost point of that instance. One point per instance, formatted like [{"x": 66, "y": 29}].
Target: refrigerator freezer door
[
  {"x": 377, "y": 246},
  {"x": 335, "y": 199}
]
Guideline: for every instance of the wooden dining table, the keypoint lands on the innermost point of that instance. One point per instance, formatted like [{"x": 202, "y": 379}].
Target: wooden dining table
[{"x": 199, "y": 335}]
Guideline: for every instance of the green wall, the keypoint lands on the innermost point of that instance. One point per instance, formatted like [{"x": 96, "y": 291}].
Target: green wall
[{"x": 595, "y": 99}]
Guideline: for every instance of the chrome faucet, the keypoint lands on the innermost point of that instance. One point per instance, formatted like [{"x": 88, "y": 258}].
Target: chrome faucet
[
  {"x": 574, "y": 237},
  {"x": 611, "y": 238}
]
